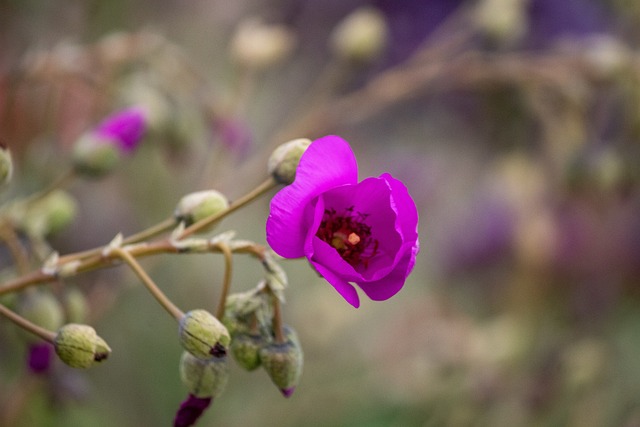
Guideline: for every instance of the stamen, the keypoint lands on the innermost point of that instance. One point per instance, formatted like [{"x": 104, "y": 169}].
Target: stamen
[{"x": 349, "y": 235}]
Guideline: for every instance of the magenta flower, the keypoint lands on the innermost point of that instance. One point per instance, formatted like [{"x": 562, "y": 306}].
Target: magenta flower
[
  {"x": 125, "y": 128},
  {"x": 362, "y": 233}
]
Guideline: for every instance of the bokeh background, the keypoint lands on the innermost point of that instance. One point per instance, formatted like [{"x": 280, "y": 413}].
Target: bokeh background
[{"x": 515, "y": 124}]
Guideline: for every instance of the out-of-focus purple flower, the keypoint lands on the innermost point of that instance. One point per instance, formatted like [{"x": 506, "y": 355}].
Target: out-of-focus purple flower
[
  {"x": 351, "y": 232},
  {"x": 39, "y": 357},
  {"x": 190, "y": 410},
  {"x": 234, "y": 134},
  {"x": 125, "y": 127}
]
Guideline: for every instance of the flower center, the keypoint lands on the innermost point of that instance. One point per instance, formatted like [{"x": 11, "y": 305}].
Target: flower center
[{"x": 348, "y": 233}]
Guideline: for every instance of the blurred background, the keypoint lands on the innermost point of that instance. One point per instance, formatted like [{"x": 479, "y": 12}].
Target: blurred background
[{"x": 515, "y": 124}]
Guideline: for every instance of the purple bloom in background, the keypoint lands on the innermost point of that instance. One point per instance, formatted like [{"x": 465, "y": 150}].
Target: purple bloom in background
[
  {"x": 39, "y": 357},
  {"x": 125, "y": 127},
  {"x": 351, "y": 232},
  {"x": 190, "y": 410}
]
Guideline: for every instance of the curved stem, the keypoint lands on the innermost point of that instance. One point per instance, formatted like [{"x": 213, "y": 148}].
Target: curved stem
[
  {"x": 226, "y": 284},
  {"x": 17, "y": 250},
  {"x": 164, "y": 301},
  {"x": 262, "y": 188},
  {"x": 25, "y": 324}
]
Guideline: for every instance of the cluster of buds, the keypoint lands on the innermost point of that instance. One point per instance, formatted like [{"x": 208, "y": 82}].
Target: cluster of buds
[{"x": 255, "y": 344}]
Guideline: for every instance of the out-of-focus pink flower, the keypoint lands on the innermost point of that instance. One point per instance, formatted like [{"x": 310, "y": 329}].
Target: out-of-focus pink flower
[
  {"x": 125, "y": 128},
  {"x": 40, "y": 357},
  {"x": 362, "y": 233}
]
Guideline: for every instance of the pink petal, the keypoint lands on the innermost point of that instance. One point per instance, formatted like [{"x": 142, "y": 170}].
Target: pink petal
[
  {"x": 343, "y": 287},
  {"x": 327, "y": 163},
  {"x": 389, "y": 285}
]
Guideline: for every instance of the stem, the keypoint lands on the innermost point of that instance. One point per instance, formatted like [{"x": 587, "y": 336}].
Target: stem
[
  {"x": 265, "y": 186},
  {"x": 17, "y": 250},
  {"x": 60, "y": 182},
  {"x": 154, "y": 230},
  {"x": 277, "y": 320},
  {"x": 226, "y": 284},
  {"x": 25, "y": 324},
  {"x": 164, "y": 301}
]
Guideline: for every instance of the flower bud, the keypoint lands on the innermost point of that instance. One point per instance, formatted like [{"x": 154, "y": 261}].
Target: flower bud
[
  {"x": 6, "y": 165},
  {"x": 204, "y": 378},
  {"x": 79, "y": 346},
  {"x": 361, "y": 36},
  {"x": 199, "y": 205},
  {"x": 283, "y": 362},
  {"x": 48, "y": 215},
  {"x": 257, "y": 45},
  {"x": 202, "y": 335},
  {"x": 245, "y": 349},
  {"x": 284, "y": 160},
  {"x": 96, "y": 153},
  {"x": 42, "y": 308}
]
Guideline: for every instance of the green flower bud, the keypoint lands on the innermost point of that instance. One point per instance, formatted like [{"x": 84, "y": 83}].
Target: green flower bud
[
  {"x": 93, "y": 157},
  {"x": 6, "y": 164},
  {"x": 283, "y": 362},
  {"x": 245, "y": 349},
  {"x": 75, "y": 305},
  {"x": 199, "y": 205},
  {"x": 42, "y": 308},
  {"x": 47, "y": 215},
  {"x": 284, "y": 160},
  {"x": 204, "y": 378},
  {"x": 79, "y": 346},
  {"x": 361, "y": 36},
  {"x": 202, "y": 335}
]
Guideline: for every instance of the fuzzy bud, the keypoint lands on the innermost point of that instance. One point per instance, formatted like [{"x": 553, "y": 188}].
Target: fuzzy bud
[
  {"x": 202, "y": 335},
  {"x": 361, "y": 36},
  {"x": 93, "y": 156},
  {"x": 283, "y": 362},
  {"x": 42, "y": 308},
  {"x": 258, "y": 45},
  {"x": 48, "y": 215},
  {"x": 96, "y": 153},
  {"x": 79, "y": 346},
  {"x": 284, "y": 160},
  {"x": 204, "y": 378},
  {"x": 245, "y": 349},
  {"x": 6, "y": 165},
  {"x": 199, "y": 205}
]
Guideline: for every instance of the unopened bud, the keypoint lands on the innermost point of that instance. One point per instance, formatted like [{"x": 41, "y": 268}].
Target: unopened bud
[
  {"x": 204, "y": 378},
  {"x": 283, "y": 362},
  {"x": 49, "y": 214},
  {"x": 79, "y": 346},
  {"x": 42, "y": 308},
  {"x": 245, "y": 349},
  {"x": 199, "y": 205},
  {"x": 284, "y": 160},
  {"x": 93, "y": 156},
  {"x": 202, "y": 335},
  {"x": 257, "y": 45},
  {"x": 6, "y": 165},
  {"x": 96, "y": 153},
  {"x": 361, "y": 36}
]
